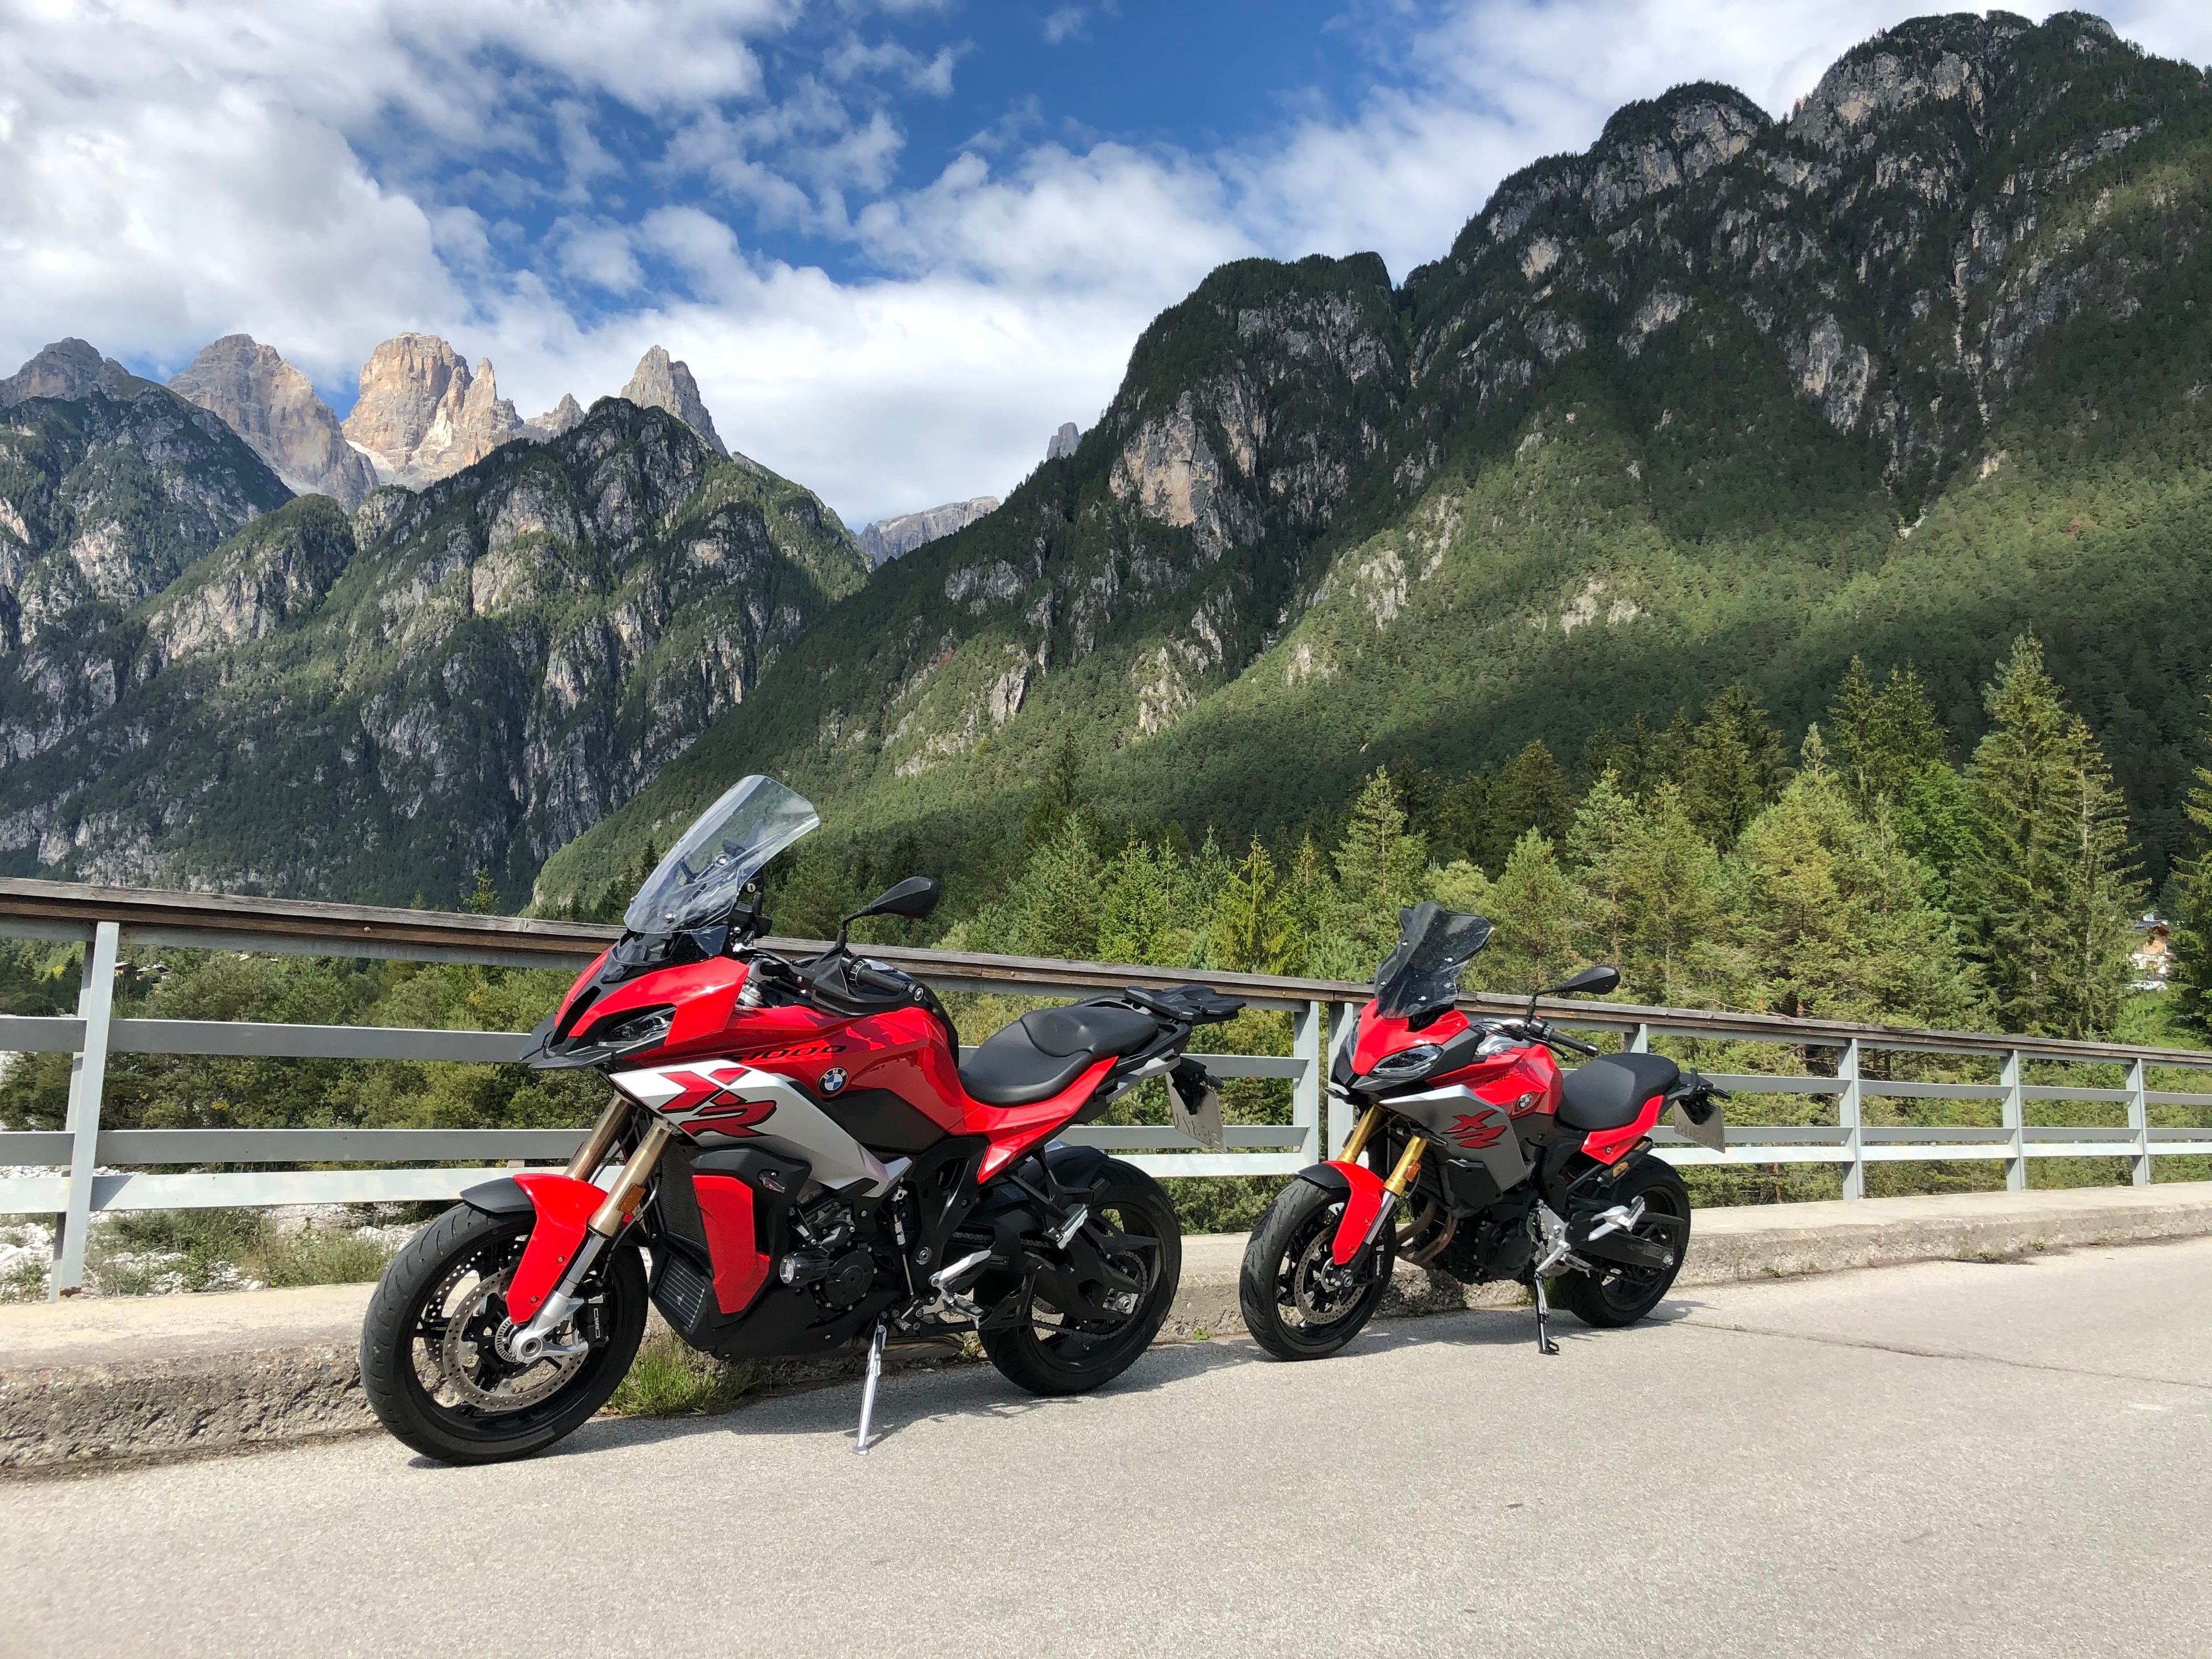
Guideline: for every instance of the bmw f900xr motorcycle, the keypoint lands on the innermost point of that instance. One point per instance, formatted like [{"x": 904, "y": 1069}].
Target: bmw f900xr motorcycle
[
  {"x": 796, "y": 1156},
  {"x": 1482, "y": 1158}
]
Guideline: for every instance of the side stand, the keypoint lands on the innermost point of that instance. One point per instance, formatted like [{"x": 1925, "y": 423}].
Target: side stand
[
  {"x": 1544, "y": 1343},
  {"x": 868, "y": 1388}
]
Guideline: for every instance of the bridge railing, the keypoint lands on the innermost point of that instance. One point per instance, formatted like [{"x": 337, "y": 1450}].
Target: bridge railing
[{"x": 105, "y": 1170}]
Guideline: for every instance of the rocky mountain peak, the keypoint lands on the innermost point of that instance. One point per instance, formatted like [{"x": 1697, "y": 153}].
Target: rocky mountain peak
[
  {"x": 661, "y": 382},
  {"x": 67, "y": 368},
  {"x": 564, "y": 416},
  {"x": 274, "y": 408},
  {"x": 1063, "y": 442},
  {"x": 887, "y": 539},
  {"x": 423, "y": 415}
]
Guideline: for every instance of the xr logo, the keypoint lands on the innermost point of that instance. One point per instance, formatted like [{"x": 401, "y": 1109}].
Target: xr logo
[
  {"x": 703, "y": 1105},
  {"x": 1476, "y": 1130}
]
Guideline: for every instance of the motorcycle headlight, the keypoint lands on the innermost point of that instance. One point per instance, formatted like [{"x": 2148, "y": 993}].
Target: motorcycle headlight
[
  {"x": 637, "y": 1029},
  {"x": 1407, "y": 1062}
]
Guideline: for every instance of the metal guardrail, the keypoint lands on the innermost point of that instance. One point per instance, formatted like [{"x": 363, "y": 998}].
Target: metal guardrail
[{"x": 437, "y": 1163}]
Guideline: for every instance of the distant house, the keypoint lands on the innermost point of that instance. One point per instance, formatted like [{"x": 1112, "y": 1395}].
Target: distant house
[{"x": 2152, "y": 955}]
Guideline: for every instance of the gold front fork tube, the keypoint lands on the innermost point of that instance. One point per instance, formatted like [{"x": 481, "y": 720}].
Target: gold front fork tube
[
  {"x": 1370, "y": 1124},
  {"x": 1408, "y": 1167},
  {"x": 629, "y": 1190},
  {"x": 593, "y": 1153}
]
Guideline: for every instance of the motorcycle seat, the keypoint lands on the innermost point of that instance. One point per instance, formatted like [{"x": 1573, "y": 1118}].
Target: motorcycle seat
[
  {"x": 1045, "y": 1051},
  {"x": 1609, "y": 1092}
]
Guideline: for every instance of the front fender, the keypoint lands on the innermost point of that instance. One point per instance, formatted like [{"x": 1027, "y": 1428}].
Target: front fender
[
  {"x": 563, "y": 1206},
  {"x": 1364, "y": 1195}
]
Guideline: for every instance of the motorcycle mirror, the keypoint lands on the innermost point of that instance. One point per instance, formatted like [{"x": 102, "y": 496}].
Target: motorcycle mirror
[
  {"x": 913, "y": 898},
  {"x": 1598, "y": 977}
]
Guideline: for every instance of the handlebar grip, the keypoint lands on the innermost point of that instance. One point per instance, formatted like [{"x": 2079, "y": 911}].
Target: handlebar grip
[{"x": 1578, "y": 1047}]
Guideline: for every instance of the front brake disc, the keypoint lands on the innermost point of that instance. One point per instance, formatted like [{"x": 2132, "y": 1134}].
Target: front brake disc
[{"x": 472, "y": 1367}]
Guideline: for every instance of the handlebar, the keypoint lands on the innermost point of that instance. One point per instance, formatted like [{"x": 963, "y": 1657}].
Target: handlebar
[{"x": 1578, "y": 1046}]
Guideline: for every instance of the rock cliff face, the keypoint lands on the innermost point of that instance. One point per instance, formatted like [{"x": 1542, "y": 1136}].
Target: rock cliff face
[
  {"x": 274, "y": 408},
  {"x": 67, "y": 368},
  {"x": 105, "y": 498},
  {"x": 886, "y": 539},
  {"x": 372, "y": 706},
  {"x": 1721, "y": 398},
  {"x": 1063, "y": 441},
  {"x": 661, "y": 383},
  {"x": 423, "y": 415},
  {"x": 564, "y": 416}
]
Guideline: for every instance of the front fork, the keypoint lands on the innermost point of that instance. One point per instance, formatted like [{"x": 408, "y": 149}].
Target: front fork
[
  {"x": 615, "y": 1211},
  {"x": 1402, "y": 1175}
]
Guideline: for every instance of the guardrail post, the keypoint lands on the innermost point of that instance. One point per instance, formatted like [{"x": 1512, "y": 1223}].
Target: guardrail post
[
  {"x": 1848, "y": 1113},
  {"x": 2139, "y": 1121},
  {"x": 2016, "y": 1159},
  {"x": 1309, "y": 1042},
  {"x": 96, "y": 1004},
  {"x": 1343, "y": 1027},
  {"x": 1641, "y": 1042}
]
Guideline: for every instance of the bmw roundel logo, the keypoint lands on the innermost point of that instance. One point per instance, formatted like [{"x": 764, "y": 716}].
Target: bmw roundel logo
[{"x": 833, "y": 1079}]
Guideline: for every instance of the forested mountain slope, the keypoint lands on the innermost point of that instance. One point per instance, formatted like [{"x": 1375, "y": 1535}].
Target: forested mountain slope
[
  {"x": 1724, "y": 399},
  {"x": 375, "y": 706}
]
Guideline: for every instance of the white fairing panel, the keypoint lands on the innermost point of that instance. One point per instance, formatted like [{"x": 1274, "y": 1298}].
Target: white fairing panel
[
  {"x": 1467, "y": 1128},
  {"x": 725, "y": 1097}
]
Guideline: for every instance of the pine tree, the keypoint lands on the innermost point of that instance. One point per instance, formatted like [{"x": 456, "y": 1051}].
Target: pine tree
[
  {"x": 1537, "y": 909},
  {"x": 1606, "y": 826},
  {"x": 1884, "y": 739},
  {"x": 1136, "y": 908},
  {"x": 1531, "y": 792},
  {"x": 1418, "y": 794},
  {"x": 2052, "y": 887},
  {"x": 1058, "y": 895},
  {"x": 2191, "y": 981},
  {"x": 1247, "y": 932},
  {"x": 1835, "y": 921},
  {"x": 1057, "y": 797},
  {"x": 1303, "y": 904},
  {"x": 1669, "y": 878},
  {"x": 1736, "y": 767},
  {"x": 1379, "y": 871},
  {"x": 1462, "y": 811}
]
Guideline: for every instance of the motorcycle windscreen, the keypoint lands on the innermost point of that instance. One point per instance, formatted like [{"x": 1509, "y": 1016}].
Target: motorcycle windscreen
[
  {"x": 729, "y": 844},
  {"x": 1434, "y": 948}
]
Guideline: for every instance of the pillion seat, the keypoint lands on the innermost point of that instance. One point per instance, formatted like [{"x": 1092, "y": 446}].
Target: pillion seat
[
  {"x": 1042, "y": 1052},
  {"x": 1610, "y": 1091}
]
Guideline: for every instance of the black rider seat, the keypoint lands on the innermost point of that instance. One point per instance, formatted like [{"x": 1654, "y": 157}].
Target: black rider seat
[
  {"x": 1042, "y": 1052},
  {"x": 1609, "y": 1092}
]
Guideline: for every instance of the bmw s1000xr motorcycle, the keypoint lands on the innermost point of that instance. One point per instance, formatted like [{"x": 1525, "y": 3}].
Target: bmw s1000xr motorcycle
[
  {"x": 795, "y": 1156},
  {"x": 1481, "y": 1159}
]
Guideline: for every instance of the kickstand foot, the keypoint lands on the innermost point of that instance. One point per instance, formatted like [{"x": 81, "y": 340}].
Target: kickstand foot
[
  {"x": 1544, "y": 1343},
  {"x": 868, "y": 1388}
]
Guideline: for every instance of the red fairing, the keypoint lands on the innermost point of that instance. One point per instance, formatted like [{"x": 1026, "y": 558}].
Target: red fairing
[
  {"x": 1606, "y": 1145},
  {"x": 726, "y": 1205},
  {"x": 1379, "y": 1038},
  {"x": 1526, "y": 1082},
  {"x": 563, "y": 1206},
  {"x": 1014, "y": 1129},
  {"x": 1361, "y": 1206}
]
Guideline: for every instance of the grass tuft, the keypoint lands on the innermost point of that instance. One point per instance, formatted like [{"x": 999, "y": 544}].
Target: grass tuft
[{"x": 670, "y": 1379}]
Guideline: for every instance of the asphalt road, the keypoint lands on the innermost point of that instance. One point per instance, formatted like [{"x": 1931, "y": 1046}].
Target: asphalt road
[{"x": 1953, "y": 1459}]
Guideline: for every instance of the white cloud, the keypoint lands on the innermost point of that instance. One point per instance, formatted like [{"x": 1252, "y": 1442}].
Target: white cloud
[{"x": 326, "y": 173}]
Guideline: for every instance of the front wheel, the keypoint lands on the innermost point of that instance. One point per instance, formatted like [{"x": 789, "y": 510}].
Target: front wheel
[
  {"x": 1083, "y": 1319},
  {"x": 1615, "y": 1294},
  {"x": 429, "y": 1359},
  {"x": 1297, "y": 1302}
]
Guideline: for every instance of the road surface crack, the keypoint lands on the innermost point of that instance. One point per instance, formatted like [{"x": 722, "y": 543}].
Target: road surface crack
[{"x": 1912, "y": 1352}]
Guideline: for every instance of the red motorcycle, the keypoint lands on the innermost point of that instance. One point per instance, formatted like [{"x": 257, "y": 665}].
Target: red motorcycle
[
  {"x": 796, "y": 1155},
  {"x": 1482, "y": 1160}
]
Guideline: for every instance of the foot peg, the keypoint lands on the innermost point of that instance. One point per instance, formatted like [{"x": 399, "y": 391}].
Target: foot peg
[
  {"x": 868, "y": 1388},
  {"x": 1069, "y": 1228}
]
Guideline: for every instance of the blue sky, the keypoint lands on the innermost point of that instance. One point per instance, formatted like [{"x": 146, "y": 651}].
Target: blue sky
[{"x": 897, "y": 240}]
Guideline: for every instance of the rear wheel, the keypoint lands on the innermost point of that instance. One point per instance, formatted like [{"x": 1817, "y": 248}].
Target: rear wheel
[
  {"x": 1298, "y": 1303},
  {"x": 1084, "y": 1323},
  {"x": 1616, "y": 1294},
  {"x": 429, "y": 1359}
]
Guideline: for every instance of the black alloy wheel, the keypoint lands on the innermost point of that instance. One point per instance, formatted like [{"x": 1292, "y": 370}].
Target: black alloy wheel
[
  {"x": 429, "y": 1360},
  {"x": 1616, "y": 1294},
  {"x": 1298, "y": 1303},
  {"x": 1084, "y": 1320}
]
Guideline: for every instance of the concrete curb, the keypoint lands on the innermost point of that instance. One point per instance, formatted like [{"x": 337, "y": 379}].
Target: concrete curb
[{"x": 91, "y": 1384}]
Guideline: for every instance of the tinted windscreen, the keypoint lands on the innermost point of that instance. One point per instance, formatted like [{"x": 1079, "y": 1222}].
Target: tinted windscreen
[
  {"x": 699, "y": 881},
  {"x": 1433, "y": 951}
]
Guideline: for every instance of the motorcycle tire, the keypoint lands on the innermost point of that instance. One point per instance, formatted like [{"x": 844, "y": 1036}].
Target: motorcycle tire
[
  {"x": 1290, "y": 1310},
  {"x": 445, "y": 1391},
  {"x": 1617, "y": 1294},
  {"x": 1043, "y": 1353}
]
